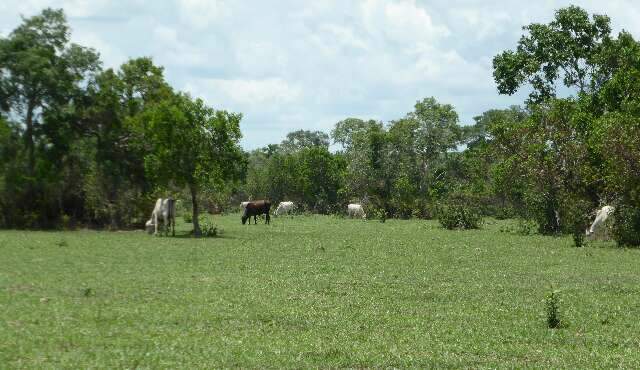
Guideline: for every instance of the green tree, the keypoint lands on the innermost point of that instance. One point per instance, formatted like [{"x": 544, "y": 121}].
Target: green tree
[
  {"x": 345, "y": 131},
  {"x": 42, "y": 71},
  {"x": 567, "y": 49},
  {"x": 43, "y": 79},
  {"x": 116, "y": 188},
  {"x": 301, "y": 139},
  {"x": 192, "y": 145}
]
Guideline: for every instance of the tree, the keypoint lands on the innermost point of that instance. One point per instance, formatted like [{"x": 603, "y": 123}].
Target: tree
[
  {"x": 298, "y": 140},
  {"x": 345, "y": 131},
  {"x": 567, "y": 49},
  {"x": 192, "y": 145},
  {"x": 41, "y": 71},
  {"x": 43, "y": 78},
  {"x": 116, "y": 188}
]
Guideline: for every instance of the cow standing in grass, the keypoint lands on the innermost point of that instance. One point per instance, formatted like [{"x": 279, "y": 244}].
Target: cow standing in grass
[
  {"x": 284, "y": 208},
  {"x": 165, "y": 208},
  {"x": 599, "y": 227},
  {"x": 256, "y": 208},
  {"x": 355, "y": 210}
]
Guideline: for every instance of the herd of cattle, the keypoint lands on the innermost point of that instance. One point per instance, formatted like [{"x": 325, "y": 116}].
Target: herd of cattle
[{"x": 165, "y": 211}]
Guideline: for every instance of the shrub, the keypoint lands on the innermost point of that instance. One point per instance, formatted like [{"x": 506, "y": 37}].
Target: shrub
[
  {"x": 576, "y": 218},
  {"x": 542, "y": 207},
  {"x": 526, "y": 227},
  {"x": 626, "y": 226},
  {"x": 552, "y": 304},
  {"x": 458, "y": 216},
  {"x": 377, "y": 213},
  {"x": 187, "y": 217},
  {"x": 504, "y": 213},
  {"x": 207, "y": 228}
]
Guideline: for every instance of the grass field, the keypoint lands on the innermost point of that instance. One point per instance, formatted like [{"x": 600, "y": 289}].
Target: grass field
[{"x": 314, "y": 291}]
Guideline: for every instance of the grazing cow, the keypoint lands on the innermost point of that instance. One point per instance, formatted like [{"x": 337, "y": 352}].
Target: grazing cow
[
  {"x": 149, "y": 226},
  {"x": 165, "y": 208},
  {"x": 256, "y": 208},
  {"x": 600, "y": 224},
  {"x": 355, "y": 210},
  {"x": 284, "y": 208},
  {"x": 243, "y": 205}
]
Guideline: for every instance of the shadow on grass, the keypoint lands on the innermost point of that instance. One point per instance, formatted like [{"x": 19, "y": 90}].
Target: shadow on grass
[{"x": 189, "y": 235}]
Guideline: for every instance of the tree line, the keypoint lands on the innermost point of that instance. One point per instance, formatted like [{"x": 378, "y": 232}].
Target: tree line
[{"x": 82, "y": 144}]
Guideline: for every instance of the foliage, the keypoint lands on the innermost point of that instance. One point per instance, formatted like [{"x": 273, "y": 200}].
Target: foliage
[
  {"x": 192, "y": 146},
  {"x": 208, "y": 228},
  {"x": 626, "y": 226},
  {"x": 567, "y": 49},
  {"x": 187, "y": 218},
  {"x": 458, "y": 214},
  {"x": 303, "y": 139},
  {"x": 311, "y": 177},
  {"x": 552, "y": 304},
  {"x": 42, "y": 76}
]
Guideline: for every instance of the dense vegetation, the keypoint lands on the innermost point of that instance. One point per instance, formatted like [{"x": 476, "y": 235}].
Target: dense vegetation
[
  {"x": 317, "y": 291},
  {"x": 84, "y": 145}
]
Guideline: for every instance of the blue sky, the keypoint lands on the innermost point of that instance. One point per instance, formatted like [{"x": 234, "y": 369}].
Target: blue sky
[{"x": 289, "y": 64}]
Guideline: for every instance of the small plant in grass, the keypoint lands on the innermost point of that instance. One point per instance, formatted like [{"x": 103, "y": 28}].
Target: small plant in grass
[
  {"x": 207, "y": 228},
  {"x": 377, "y": 213},
  {"x": 458, "y": 216},
  {"x": 87, "y": 292},
  {"x": 553, "y": 310},
  {"x": 188, "y": 218}
]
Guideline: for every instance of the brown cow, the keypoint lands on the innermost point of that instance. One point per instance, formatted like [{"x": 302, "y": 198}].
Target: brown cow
[{"x": 255, "y": 208}]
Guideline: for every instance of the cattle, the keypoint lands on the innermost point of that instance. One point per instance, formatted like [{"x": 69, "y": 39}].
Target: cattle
[
  {"x": 165, "y": 209},
  {"x": 255, "y": 208},
  {"x": 243, "y": 205},
  {"x": 355, "y": 210},
  {"x": 599, "y": 227},
  {"x": 284, "y": 208},
  {"x": 149, "y": 226}
]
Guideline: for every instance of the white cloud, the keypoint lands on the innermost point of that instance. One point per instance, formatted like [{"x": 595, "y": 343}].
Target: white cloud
[
  {"x": 202, "y": 13},
  {"x": 289, "y": 64},
  {"x": 256, "y": 92},
  {"x": 110, "y": 55}
]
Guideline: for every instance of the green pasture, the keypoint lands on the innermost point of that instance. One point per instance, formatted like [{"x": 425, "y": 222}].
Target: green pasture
[{"x": 315, "y": 291}]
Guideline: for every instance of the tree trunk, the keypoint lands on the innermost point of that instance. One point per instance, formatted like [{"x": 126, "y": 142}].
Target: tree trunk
[
  {"x": 29, "y": 141},
  {"x": 194, "y": 202}
]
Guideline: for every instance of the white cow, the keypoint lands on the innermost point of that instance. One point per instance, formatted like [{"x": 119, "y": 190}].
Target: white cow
[
  {"x": 166, "y": 209},
  {"x": 355, "y": 210},
  {"x": 284, "y": 208},
  {"x": 600, "y": 224},
  {"x": 149, "y": 226},
  {"x": 243, "y": 205}
]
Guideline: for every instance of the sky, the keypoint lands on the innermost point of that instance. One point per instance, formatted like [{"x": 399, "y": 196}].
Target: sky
[{"x": 290, "y": 64}]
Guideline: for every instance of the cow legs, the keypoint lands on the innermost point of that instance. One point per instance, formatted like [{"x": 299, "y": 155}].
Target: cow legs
[
  {"x": 165, "y": 226},
  {"x": 267, "y": 219},
  {"x": 155, "y": 224},
  {"x": 173, "y": 225}
]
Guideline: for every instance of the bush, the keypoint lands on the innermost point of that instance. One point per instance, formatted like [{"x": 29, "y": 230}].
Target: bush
[
  {"x": 187, "y": 217},
  {"x": 552, "y": 304},
  {"x": 458, "y": 216},
  {"x": 576, "y": 218},
  {"x": 504, "y": 213},
  {"x": 376, "y": 213},
  {"x": 626, "y": 226},
  {"x": 207, "y": 228}
]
